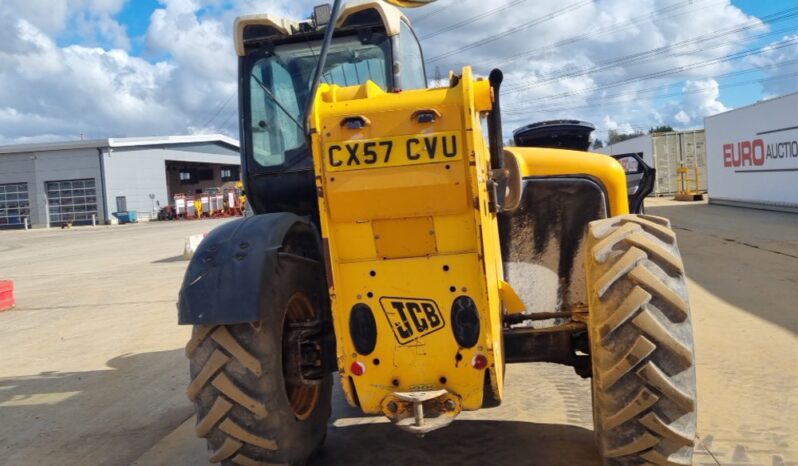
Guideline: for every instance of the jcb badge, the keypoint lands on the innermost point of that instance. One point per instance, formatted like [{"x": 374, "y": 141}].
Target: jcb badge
[{"x": 412, "y": 318}]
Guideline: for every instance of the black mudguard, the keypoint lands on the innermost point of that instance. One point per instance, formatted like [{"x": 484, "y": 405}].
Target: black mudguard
[{"x": 229, "y": 273}]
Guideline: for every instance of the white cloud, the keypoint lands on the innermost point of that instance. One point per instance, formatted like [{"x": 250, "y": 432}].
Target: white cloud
[
  {"x": 97, "y": 88},
  {"x": 780, "y": 66},
  {"x": 615, "y": 29},
  {"x": 700, "y": 100},
  {"x": 682, "y": 117}
]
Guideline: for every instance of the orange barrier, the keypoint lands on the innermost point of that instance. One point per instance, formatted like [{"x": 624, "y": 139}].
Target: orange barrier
[{"x": 6, "y": 294}]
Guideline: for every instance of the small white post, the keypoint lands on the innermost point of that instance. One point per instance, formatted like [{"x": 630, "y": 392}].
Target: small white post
[
  {"x": 93, "y": 220},
  {"x": 26, "y": 223}
]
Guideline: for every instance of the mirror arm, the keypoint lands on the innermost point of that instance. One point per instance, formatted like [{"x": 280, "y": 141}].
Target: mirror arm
[{"x": 325, "y": 47}]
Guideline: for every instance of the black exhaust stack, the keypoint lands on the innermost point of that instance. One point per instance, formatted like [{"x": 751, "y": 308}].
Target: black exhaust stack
[{"x": 495, "y": 122}]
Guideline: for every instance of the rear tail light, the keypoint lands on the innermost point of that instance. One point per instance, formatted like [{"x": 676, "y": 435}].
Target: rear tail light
[
  {"x": 465, "y": 321},
  {"x": 363, "y": 329},
  {"x": 358, "y": 368},
  {"x": 479, "y": 362}
]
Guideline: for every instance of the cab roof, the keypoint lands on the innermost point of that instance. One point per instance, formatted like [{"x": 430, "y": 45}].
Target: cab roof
[{"x": 276, "y": 26}]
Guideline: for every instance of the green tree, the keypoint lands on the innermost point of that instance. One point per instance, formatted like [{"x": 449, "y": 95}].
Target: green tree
[
  {"x": 598, "y": 144},
  {"x": 615, "y": 137},
  {"x": 660, "y": 129}
]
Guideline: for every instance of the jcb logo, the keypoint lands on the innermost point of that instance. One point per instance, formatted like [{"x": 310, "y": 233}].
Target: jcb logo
[{"x": 412, "y": 318}]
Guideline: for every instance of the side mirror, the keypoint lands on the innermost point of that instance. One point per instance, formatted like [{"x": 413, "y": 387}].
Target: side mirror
[{"x": 639, "y": 179}]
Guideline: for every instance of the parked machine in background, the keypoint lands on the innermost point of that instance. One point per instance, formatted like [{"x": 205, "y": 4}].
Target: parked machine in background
[{"x": 395, "y": 244}]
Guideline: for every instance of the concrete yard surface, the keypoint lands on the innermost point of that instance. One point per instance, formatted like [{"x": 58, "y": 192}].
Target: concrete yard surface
[{"x": 93, "y": 370}]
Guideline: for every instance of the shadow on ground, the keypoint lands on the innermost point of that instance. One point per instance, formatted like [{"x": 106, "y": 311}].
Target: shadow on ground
[
  {"x": 168, "y": 260},
  {"x": 468, "y": 443},
  {"x": 356, "y": 439},
  {"x": 117, "y": 412},
  {"x": 732, "y": 251}
]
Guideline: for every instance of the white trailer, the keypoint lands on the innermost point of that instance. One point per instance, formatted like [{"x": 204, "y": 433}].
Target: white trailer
[
  {"x": 753, "y": 155},
  {"x": 666, "y": 152}
]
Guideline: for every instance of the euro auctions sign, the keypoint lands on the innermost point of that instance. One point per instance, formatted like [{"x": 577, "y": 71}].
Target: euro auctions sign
[
  {"x": 772, "y": 150},
  {"x": 752, "y": 154}
]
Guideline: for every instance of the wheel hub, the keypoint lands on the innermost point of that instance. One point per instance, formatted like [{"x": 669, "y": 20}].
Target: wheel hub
[{"x": 303, "y": 368}]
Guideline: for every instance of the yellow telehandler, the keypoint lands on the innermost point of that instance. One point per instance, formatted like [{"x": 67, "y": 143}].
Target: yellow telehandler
[{"x": 398, "y": 244}]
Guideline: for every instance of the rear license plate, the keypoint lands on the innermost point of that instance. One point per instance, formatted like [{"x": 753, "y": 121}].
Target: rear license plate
[
  {"x": 393, "y": 151},
  {"x": 412, "y": 318}
]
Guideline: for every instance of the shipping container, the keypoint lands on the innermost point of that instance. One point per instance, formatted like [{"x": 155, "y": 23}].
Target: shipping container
[
  {"x": 666, "y": 152},
  {"x": 753, "y": 155}
]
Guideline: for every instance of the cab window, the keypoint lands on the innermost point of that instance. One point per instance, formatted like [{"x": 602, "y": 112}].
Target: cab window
[{"x": 411, "y": 71}]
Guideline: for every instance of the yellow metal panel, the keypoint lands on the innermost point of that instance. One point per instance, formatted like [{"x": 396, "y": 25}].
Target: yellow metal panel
[
  {"x": 359, "y": 244},
  {"x": 404, "y": 237},
  {"x": 394, "y": 192},
  {"x": 512, "y": 303},
  {"x": 411, "y": 298},
  {"x": 455, "y": 233},
  {"x": 538, "y": 161},
  {"x": 418, "y": 364}
]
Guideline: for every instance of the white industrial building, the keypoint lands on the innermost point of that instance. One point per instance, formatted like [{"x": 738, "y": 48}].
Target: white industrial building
[
  {"x": 753, "y": 155},
  {"x": 78, "y": 182},
  {"x": 666, "y": 152}
]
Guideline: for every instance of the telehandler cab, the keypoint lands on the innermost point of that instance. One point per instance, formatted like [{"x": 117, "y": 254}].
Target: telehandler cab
[{"x": 397, "y": 245}]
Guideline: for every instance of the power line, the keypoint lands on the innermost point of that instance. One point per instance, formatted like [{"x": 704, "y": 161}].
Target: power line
[
  {"x": 638, "y": 93},
  {"x": 682, "y": 92},
  {"x": 227, "y": 120},
  {"x": 615, "y": 27},
  {"x": 670, "y": 71},
  {"x": 524, "y": 26},
  {"x": 219, "y": 110},
  {"x": 655, "y": 53},
  {"x": 472, "y": 19},
  {"x": 435, "y": 12}
]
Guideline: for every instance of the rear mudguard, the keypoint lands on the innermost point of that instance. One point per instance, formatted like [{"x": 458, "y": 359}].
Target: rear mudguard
[{"x": 228, "y": 276}]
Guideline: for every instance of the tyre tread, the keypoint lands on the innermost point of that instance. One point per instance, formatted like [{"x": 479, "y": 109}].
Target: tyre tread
[
  {"x": 224, "y": 339},
  {"x": 641, "y": 342},
  {"x": 226, "y": 386},
  {"x": 214, "y": 364}
]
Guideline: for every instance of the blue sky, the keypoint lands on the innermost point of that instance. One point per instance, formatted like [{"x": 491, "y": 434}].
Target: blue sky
[
  {"x": 744, "y": 95},
  {"x": 147, "y": 67},
  {"x": 136, "y": 18}
]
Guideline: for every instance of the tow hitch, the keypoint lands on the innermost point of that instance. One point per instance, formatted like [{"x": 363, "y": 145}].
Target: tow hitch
[{"x": 421, "y": 412}]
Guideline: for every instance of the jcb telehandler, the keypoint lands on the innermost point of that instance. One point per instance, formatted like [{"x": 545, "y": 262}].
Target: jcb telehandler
[{"x": 397, "y": 245}]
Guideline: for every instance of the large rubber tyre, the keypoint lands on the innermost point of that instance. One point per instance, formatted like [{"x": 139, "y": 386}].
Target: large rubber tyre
[
  {"x": 244, "y": 410},
  {"x": 641, "y": 343}
]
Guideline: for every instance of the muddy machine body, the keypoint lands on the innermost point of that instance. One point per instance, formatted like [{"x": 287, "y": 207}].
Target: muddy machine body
[{"x": 400, "y": 245}]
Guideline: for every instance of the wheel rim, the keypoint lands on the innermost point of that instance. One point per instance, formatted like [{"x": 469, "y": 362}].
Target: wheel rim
[{"x": 302, "y": 397}]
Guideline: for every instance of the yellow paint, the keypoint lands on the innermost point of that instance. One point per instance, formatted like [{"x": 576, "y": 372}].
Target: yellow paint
[
  {"x": 512, "y": 302},
  {"x": 538, "y": 161},
  {"x": 410, "y": 234},
  {"x": 404, "y": 237},
  {"x": 407, "y": 235}
]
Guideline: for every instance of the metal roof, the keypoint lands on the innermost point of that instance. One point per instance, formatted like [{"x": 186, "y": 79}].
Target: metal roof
[
  {"x": 391, "y": 17},
  {"x": 120, "y": 142}
]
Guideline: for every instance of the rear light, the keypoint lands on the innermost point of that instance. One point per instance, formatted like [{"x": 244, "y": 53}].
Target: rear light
[
  {"x": 358, "y": 368},
  {"x": 465, "y": 321},
  {"x": 479, "y": 362},
  {"x": 363, "y": 329}
]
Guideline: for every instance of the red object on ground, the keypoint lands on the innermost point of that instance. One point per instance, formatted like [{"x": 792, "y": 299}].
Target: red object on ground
[{"x": 6, "y": 294}]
